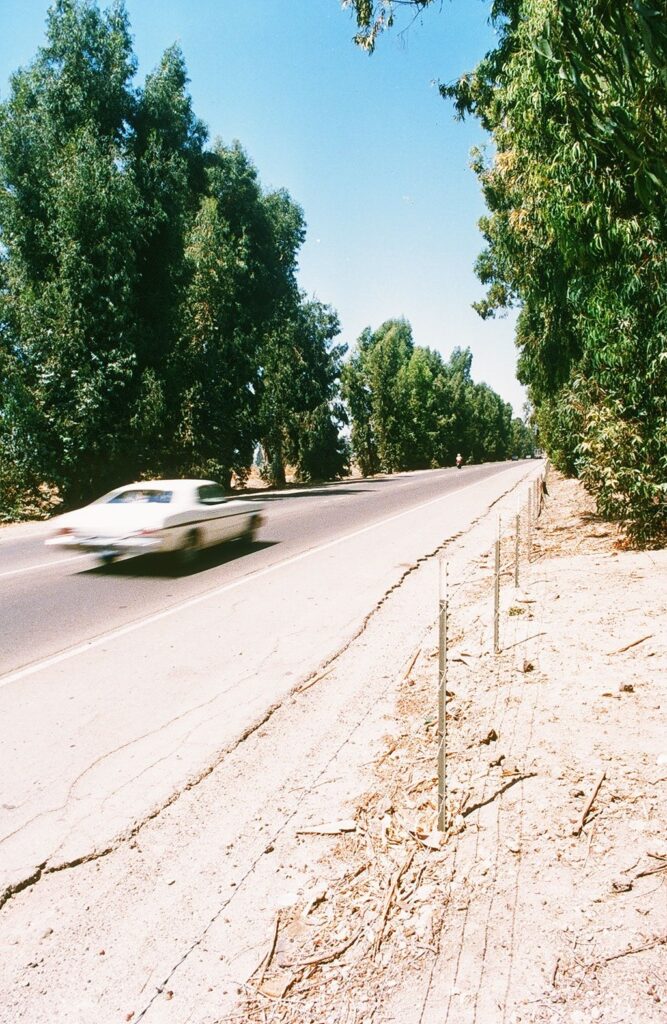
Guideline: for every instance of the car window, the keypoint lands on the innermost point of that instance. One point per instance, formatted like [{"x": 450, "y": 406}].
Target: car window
[
  {"x": 144, "y": 495},
  {"x": 211, "y": 494}
]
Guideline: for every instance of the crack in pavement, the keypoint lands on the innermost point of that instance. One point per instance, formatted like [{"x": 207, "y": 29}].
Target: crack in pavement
[
  {"x": 253, "y": 727},
  {"x": 137, "y": 739},
  {"x": 316, "y": 781}
]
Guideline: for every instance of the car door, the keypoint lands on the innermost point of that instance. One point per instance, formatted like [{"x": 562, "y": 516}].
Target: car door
[{"x": 215, "y": 517}]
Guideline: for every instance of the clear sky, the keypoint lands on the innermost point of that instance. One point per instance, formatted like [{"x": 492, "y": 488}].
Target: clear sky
[{"x": 363, "y": 143}]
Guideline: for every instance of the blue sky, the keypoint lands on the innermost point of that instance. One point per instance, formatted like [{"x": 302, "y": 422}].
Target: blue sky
[{"x": 364, "y": 144}]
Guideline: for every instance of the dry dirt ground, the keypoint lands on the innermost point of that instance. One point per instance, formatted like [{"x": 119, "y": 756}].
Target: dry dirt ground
[{"x": 546, "y": 897}]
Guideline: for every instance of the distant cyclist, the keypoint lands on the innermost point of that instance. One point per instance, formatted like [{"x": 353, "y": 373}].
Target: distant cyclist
[{"x": 459, "y": 461}]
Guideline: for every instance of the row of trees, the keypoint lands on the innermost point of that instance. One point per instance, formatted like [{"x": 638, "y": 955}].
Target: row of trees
[
  {"x": 150, "y": 318},
  {"x": 574, "y": 96},
  {"x": 410, "y": 409}
]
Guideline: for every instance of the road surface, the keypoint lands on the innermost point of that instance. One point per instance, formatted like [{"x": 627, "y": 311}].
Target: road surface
[{"x": 121, "y": 685}]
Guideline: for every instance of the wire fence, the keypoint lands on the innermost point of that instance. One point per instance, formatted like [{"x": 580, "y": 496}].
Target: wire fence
[{"x": 513, "y": 551}]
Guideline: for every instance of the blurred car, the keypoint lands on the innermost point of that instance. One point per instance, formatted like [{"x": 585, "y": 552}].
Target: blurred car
[{"x": 154, "y": 516}]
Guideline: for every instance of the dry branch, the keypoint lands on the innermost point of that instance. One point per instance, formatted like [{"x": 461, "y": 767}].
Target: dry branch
[
  {"x": 652, "y": 871},
  {"x": 264, "y": 963},
  {"x": 398, "y": 874},
  {"x": 335, "y": 828},
  {"x": 661, "y": 940},
  {"x": 589, "y": 804},
  {"x": 316, "y": 679},
  {"x": 498, "y": 792},
  {"x": 413, "y": 662},
  {"x": 627, "y": 647},
  {"x": 323, "y": 958},
  {"x": 525, "y": 640}
]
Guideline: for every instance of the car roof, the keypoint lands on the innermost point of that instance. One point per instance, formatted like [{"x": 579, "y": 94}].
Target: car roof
[{"x": 166, "y": 485}]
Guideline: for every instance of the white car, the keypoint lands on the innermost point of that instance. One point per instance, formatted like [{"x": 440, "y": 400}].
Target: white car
[{"x": 153, "y": 516}]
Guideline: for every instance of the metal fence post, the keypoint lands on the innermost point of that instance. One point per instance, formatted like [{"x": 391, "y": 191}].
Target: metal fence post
[
  {"x": 529, "y": 525},
  {"x": 496, "y": 595},
  {"x": 517, "y": 545},
  {"x": 442, "y": 697}
]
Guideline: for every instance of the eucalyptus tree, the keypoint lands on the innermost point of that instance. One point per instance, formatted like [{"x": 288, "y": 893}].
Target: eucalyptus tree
[
  {"x": 357, "y": 396},
  {"x": 69, "y": 216},
  {"x": 143, "y": 280},
  {"x": 300, "y": 413},
  {"x": 577, "y": 237},
  {"x": 574, "y": 95},
  {"x": 241, "y": 255},
  {"x": 411, "y": 409},
  {"x": 523, "y": 438},
  {"x": 372, "y": 388},
  {"x": 427, "y": 420},
  {"x": 167, "y": 162}
]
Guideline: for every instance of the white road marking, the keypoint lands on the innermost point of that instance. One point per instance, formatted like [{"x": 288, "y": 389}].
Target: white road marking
[
  {"x": 116, "y": 634},
  {"x": 42, "y": 565}
]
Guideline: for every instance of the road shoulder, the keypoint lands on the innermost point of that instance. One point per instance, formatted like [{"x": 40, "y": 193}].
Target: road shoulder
[
  {"x": 546, "y": 901},
  {"x": 302, "y": 880}
]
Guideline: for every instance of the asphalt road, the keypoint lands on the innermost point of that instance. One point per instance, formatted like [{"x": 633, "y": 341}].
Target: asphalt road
[
  {"x": 120, "y": 686},
  {"x": 51, "y": 600}
]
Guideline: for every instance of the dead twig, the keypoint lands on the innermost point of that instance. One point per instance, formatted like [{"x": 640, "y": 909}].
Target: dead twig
[
  {"x": 316, "y": 679},
  {"x": 659, "y": 941},
  {"x": 652, "y": 871},
  {"x": 388, "y": 752},
  {"x": 398, "y": 874},
  {"x": 265, "y": 962},
  {"x": 498, "y": 792},
  {"x": 336, "y": 828},
  {"x": 555, "y": 972},
  {"x": 589, "y": 804},
  {"x": 323, "y": 958},
  {"x": 412, "y": 664},
  {"x": 524, "y": 641},
  {"x": 627, "y": 647},
  {"x": 590, "y": 843}
]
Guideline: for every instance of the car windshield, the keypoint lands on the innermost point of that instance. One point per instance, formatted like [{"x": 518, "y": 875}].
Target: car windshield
[{"x": 142, "y": 494}]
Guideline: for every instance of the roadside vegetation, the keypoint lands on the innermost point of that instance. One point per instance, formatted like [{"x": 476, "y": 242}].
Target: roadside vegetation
[
  {"x": 149, "y": 302},
  {"x": 411, "y": 409},
  {"x": 151, "y": 323},
  {"x": 574, "y": 96}
]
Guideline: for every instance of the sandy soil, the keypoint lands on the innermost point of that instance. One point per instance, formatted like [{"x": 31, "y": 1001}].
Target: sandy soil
[
  {"x": 546, "y": 897},
  {"x": 304, "y": 880}
]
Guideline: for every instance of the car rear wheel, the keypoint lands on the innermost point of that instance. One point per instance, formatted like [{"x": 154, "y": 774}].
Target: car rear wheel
[
  {"x": 186, "y": 556},
  {"x": 248, "y": 535}
]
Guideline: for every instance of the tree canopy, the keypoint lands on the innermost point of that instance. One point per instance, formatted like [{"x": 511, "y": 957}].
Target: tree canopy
[
  {"x": 151, "y": 321},
  {"x": 574, "y": 95},
  {"x": 411, "y": 409},
  {"x": 147, "y": 283}
]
